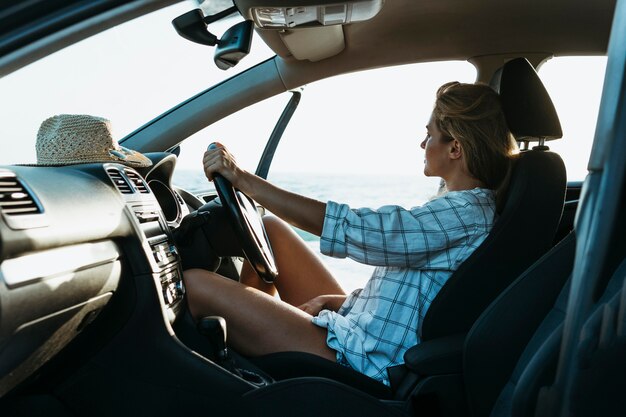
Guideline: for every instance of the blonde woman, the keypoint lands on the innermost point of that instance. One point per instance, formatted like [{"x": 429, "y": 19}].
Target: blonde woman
[{"x": 415, "y": 250}]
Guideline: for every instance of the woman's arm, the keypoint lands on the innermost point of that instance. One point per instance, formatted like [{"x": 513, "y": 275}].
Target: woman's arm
[
  {"x": 300, "y": 211},
  {"x": 429, "y": 236}
]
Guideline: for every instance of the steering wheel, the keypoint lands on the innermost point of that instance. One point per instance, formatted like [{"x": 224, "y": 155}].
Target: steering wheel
[{"x": 247, "y": 224}]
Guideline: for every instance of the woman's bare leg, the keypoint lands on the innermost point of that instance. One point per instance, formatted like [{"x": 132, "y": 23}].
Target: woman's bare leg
[
  {"x": 301, "y": 274},
  {"x": 252, "y": 315},
  {"x": 250, "y": 278}
]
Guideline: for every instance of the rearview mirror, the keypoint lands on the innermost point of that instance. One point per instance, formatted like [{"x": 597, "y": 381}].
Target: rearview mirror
[{"x": 234, "y": 45}]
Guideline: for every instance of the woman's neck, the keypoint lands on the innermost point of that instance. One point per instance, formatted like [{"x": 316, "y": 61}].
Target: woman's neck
[{"x": 463, "y": 182}]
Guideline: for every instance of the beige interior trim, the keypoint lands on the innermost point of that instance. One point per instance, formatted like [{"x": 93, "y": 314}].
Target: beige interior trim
[{"x": 314, "y": 43}]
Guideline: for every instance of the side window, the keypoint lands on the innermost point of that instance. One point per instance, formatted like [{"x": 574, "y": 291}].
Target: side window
[
  {"x": 244, "y": 133},
  {"x": 575, "y": 85},
  {"x": 363, "y": 131},
  {"x": 356, "y": 139}
]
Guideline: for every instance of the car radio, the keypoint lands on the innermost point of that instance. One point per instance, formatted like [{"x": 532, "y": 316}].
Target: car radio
[{"x": 163, "y": 256}]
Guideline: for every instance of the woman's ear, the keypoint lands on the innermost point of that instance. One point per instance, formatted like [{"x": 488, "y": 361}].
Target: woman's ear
[{"x": 456, "y": 150}]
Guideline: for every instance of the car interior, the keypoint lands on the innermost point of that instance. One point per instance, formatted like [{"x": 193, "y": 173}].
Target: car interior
[{"x": 93, "y": 310}]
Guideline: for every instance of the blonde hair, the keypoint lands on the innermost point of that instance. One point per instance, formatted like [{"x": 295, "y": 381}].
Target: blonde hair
[{"x": 472, "y": 114}]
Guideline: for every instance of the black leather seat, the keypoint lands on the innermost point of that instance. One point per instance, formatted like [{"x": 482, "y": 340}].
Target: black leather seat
[
  {"x": 497, "y": 339},
  {"x": 521, "y": 382},
  {"x": 512, "y": 352},
  {"x": 523, "y": 232}
]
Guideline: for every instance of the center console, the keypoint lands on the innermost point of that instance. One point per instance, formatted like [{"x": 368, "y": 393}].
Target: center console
[
  {"x": 156, "y": 238},
  {"x": 207, "y": 337},
  {"x": 162, "y": 254}
]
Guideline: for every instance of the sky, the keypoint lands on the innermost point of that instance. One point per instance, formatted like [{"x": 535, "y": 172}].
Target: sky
[{"x": 134, "y": 72}]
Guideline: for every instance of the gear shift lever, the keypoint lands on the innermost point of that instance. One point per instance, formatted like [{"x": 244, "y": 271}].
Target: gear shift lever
[{"x": 214, "y": 329}]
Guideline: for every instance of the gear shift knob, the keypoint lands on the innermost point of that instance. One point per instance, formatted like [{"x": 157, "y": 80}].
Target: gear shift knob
[{"x": 214, "y": 329}]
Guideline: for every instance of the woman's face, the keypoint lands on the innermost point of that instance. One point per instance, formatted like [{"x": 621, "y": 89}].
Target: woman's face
[{"x": 437, "y": 147}]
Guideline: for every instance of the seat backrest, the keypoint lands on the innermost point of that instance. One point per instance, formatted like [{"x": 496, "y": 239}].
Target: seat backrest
[
  {"x": 599, "y": 388},
  {"x": 528, "y": 221},
  {"x": 497, "y": 339}
]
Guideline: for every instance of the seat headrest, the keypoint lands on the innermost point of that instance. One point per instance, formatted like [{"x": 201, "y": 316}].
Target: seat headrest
[{"x": 528, "y": 109}]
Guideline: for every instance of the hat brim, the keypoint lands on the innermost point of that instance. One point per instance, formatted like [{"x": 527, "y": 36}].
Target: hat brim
[
  {"x": 131, "y": 157},
  {"x": 121, "y": 156}
]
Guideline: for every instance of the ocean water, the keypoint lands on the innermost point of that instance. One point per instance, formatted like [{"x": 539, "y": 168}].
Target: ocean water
[{"x": 356, "y": 190}]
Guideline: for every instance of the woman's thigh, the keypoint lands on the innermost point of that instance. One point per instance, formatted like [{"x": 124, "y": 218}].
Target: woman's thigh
[{"x": 258, "y": 323}]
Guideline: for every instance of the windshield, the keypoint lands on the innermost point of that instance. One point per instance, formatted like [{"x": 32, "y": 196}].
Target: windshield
[{"x": 128, "y": 74}]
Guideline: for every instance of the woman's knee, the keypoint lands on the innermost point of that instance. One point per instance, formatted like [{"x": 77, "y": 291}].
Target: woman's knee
[
  {"x": 199, "y": 285},
  {"x": 275, "y": 226}
]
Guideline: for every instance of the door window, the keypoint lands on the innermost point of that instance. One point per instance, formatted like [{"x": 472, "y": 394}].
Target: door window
[{"x": 575, "y": 85}]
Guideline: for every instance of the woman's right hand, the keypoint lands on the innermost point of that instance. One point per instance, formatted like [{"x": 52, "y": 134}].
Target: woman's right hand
[{"x": 323, "y": 302}]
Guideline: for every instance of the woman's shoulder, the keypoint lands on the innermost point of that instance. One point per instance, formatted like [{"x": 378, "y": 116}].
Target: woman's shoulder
[{"x": 474, "y": 197}]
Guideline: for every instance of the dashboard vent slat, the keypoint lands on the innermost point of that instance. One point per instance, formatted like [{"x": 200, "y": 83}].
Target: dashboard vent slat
[
  {"x": 15, "y": 198},
  {"x": 120, "y": 182},
  {"x": 138, "y": 182}
]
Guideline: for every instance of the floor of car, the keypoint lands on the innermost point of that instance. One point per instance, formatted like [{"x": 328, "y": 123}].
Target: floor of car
[{"x": 34, "y": 406}]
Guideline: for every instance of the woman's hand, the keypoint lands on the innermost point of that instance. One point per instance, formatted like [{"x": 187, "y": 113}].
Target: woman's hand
[
  {"x": 302, "y": 212},
  {"x": 323, "y": 302},
  {"x": 220, "y": 161}
]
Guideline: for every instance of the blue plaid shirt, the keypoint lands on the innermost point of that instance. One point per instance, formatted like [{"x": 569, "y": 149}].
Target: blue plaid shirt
[{"x": 415, "y": 252}]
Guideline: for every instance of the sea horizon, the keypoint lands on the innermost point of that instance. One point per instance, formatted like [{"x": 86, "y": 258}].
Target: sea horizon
[{"x": 356, "y": 190}]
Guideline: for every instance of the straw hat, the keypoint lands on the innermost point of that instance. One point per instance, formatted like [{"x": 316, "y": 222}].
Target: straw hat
[{"x": 68, "y": 139}]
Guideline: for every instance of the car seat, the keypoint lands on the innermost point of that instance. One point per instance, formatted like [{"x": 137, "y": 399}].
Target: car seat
[
  {"x": 601, "y": 339},
  {"x": 497, "y": 339}
]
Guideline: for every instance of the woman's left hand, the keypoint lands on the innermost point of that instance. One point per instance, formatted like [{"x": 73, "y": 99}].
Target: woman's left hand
[
  {"x": 323, "y": 302},
  {"x": 220, "y": 161}
]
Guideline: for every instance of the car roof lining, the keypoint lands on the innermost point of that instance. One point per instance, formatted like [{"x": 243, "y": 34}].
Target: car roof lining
[
  {"x": 429, "y": 28},
  {"x": 407, "y": 30}
]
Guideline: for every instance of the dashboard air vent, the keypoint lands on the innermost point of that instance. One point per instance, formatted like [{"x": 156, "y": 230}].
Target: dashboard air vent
[
  {"x": 137, "y": 181},
  {"x": 15, "y": 198},
  {"x": 120, "y": 182},
  {"x": 179, "y": 198}
]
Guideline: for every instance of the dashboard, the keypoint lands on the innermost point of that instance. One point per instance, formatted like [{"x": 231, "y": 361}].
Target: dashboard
[{"x": 73, "y": 240}]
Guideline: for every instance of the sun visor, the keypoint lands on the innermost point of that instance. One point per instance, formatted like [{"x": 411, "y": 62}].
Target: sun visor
[
  {"x": 314, "y": 43},
  {"x": 308, "y": 29}
]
